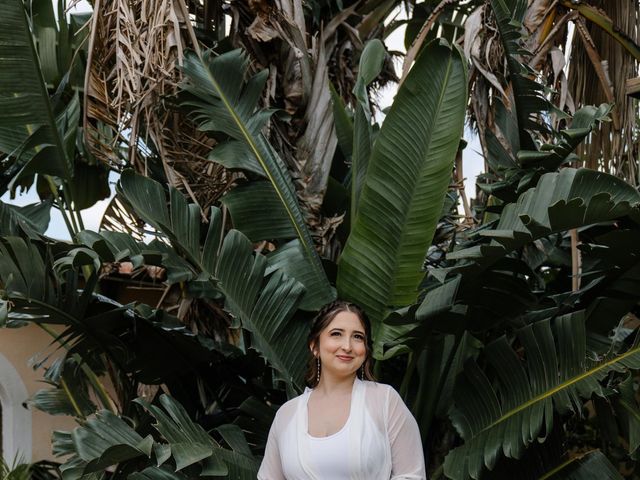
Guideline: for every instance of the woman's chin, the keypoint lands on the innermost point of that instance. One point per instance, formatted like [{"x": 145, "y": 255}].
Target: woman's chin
[{"x": 341, "y": 371}]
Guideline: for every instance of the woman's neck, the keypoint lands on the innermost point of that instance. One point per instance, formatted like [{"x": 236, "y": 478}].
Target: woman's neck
[{"x": 330, "y": 384}]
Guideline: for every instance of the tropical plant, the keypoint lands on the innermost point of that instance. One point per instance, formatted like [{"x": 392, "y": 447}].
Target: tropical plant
[
  {"x": 497, "y": 353},
  {"x": 15, "y": 471}
]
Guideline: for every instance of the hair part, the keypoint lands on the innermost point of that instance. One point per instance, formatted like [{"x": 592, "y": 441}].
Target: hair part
[{"x": 322, "y": 321}]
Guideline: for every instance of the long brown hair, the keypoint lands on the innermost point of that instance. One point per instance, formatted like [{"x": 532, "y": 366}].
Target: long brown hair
[{"x": 321, "y": 321}]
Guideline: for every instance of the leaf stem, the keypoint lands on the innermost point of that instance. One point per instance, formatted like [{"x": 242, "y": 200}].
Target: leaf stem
[
  {"x": 71, "y": 398},
  {"x": 61, "y": 208},
  {"x": 91, "y": 376},
  {"x": 106, "y": 400}
]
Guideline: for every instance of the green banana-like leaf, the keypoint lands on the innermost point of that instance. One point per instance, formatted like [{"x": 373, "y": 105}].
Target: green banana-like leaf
[
  {"x": 553, "y": 156},
  {"x": 264, "y": 300},
  {"x": 188, "y": 441},
  {"x": 590, "y": 466},
  {"x": 343, "y": 122},
  {"x": 265, "y": 305},
  {"x": 370, "y": 66},
  {"x": 630, "y": 408},
  {"x": 32, "y": 220},
  {"x": 177, "y": 219},
  {"x": 157, "y": 473},
  {"x": 70, "y": 397},
  {"x": 547, "y": 158},
  {"x": 106, "y": 439},
  {"x": 224, "y": 103},
  {"x": 505, "y": 416},
  {"x": 28, "y": 122},
  {"x": 245, "y": 200},
  {"x": 528, "y": 99},
  {"x": 599, "y": 18},
  {"x": 22, "y": 270},
  {"x": 103, "y": 440},
  {"x": 408, "y": 175},
  {"x": 561, "y": 201}
]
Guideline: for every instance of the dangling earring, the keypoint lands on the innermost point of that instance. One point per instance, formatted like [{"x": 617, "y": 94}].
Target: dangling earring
[
  {"x": 318, "y": 371},
  {"x": 362, "y": 372}
]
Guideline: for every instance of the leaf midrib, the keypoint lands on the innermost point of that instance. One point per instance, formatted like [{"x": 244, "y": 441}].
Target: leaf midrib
[
  {"x": 254, "y": 148},
  {"x": 403, "y": 235},
  {"x": 560, "y": 387}
]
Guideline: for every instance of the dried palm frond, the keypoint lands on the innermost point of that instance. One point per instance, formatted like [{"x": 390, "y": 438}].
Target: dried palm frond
[
  {"x": 136, "y": 48},
  {"x": 119, "y": 218},
  {"x": 135, "y": 53},
  {"x": 614, "y": 147},
  {"x": 301, "y": 62},
  {"x": 598, "y": 68}
]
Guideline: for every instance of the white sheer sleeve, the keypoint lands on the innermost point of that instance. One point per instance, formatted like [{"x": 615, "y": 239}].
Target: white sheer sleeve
[
  {"x": 407, "y": 457},
  {"x": 271, "y": 466}
]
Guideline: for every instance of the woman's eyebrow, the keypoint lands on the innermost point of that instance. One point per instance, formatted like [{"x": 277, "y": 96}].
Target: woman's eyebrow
[{"x": 337, "y": 329}]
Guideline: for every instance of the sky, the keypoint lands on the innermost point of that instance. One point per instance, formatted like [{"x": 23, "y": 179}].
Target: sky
[{"x": 472, "y": 158}]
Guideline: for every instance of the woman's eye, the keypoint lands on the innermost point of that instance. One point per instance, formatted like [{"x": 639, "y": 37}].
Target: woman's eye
[
  {"x": 359, "y": 337},
  {"x": 335, "y": 334}
]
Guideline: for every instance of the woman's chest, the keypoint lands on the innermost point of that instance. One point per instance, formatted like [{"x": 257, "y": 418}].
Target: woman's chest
[
  {"x": 326, "y": 418},
  {"x": 329, "y": 457},
  {"x": 359, "y": 451}
]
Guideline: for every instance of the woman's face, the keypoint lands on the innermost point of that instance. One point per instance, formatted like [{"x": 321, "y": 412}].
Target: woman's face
[{"x": 342, "y": 345}]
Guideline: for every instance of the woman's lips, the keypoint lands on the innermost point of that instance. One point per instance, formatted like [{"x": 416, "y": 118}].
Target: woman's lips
[{"x": 344, "y": 358}]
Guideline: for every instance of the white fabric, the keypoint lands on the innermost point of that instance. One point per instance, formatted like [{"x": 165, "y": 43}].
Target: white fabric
[
  {"x": 329, "y": 456},
  {"x": 383, "y": 439}
]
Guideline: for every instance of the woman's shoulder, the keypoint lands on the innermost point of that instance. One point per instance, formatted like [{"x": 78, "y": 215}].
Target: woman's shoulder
[
  {"x": 382, "y": 396},
  {"x": 379, "y": 388},
  {"x": 288, "y": 409}
]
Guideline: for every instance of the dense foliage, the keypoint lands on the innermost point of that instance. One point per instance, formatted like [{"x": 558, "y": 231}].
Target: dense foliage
[{"x": 255, "y": 186}]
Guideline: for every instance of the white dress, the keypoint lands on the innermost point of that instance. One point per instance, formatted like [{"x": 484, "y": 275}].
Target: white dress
[{"x": 382, "y": 437}]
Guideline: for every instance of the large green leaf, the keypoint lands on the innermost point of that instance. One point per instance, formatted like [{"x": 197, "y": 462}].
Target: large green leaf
[
  {"x": 591, "y": 466},
  {"x": 343, "y": 122},
  {"x": 156, "y": 473},
  {"x": 521, "y": 175},
  {"x": 504, "y": 416},
  {"x": 28, "y": 122},
  {"x": 70, "y": 396},
  {"x": 246, "y": 200},
  {"x": 265, "y": 305},
  {"x": 264, "y": 300},
  {"x": 369, "y": 68},
  {"x": 224, "y": 102},
  {"x": 23, "y": 271},
  {"x": 32, "y": 219},
  {"x": 106, "y": 439},
  {"x": 408, "y": 175},
  {"x": 528, "y": 100},
  {"x": 189, "y": 442},
  {"x": 552, "y": 156},
  {"x": 561, "y": 201},
  {"x": 629, "y": 410}
]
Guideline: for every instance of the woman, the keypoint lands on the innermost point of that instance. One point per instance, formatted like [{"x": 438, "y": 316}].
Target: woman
[{"x": 345, "y": 426}]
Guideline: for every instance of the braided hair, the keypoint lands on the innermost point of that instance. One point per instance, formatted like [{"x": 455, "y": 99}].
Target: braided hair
[{"x": 322, "y": 321}]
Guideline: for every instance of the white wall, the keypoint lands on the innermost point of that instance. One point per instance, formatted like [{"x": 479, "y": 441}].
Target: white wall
[{"x": 16, "y": 419}]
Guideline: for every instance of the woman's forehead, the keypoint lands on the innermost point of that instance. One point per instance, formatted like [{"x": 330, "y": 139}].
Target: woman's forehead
[{"x": 346, "y": 320}]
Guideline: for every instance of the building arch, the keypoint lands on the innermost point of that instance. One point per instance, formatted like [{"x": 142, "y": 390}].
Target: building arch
[{"x": 16, "y": 418}]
